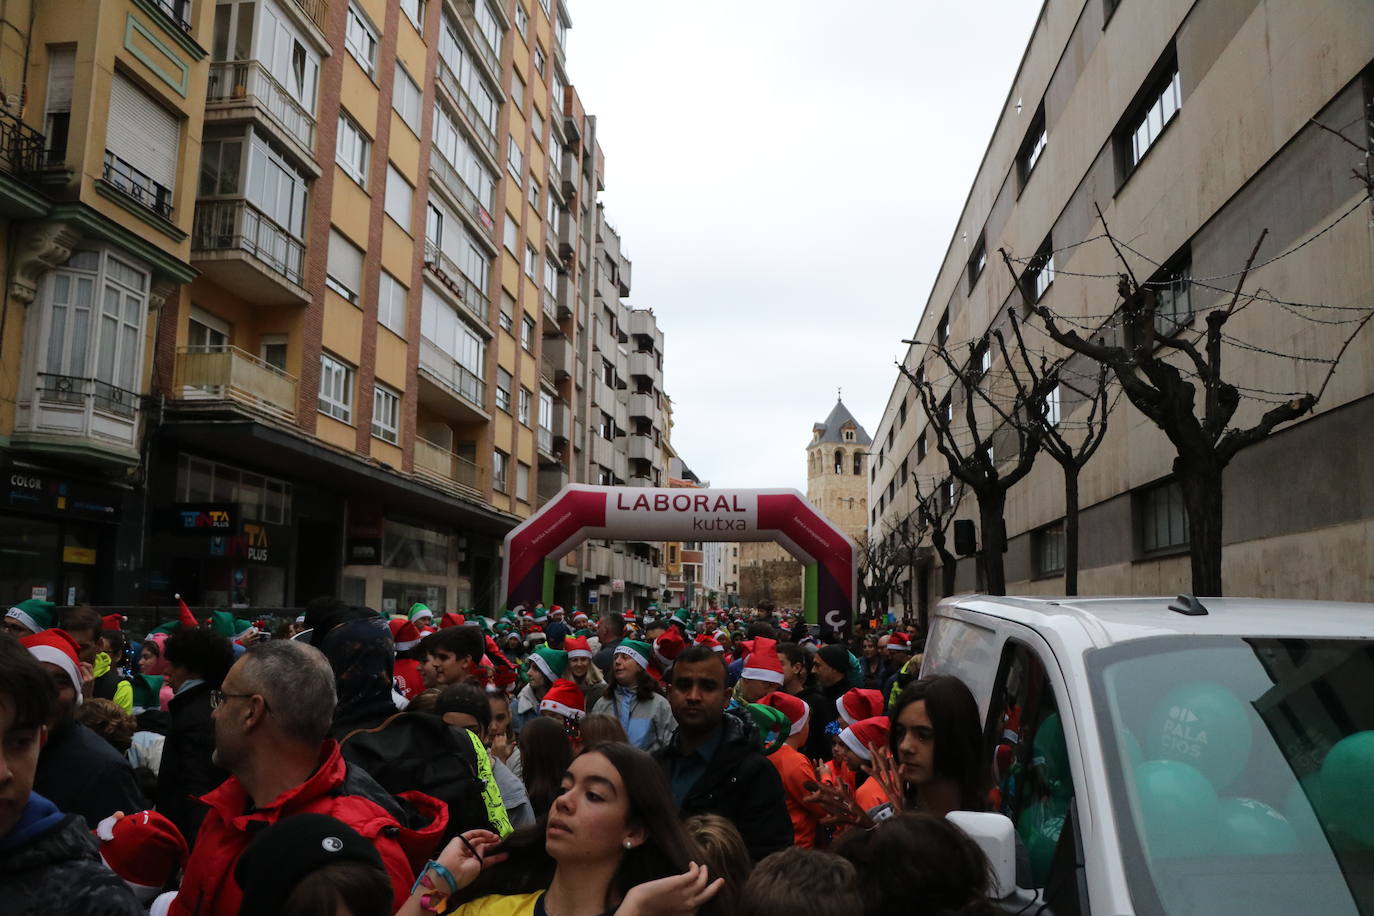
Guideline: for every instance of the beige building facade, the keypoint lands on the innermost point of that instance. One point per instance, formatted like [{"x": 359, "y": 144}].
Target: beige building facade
[{"x": 1190, "y": 124}]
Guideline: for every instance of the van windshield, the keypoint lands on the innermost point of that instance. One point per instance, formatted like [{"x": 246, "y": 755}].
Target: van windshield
[{"x": 1242, "y": 772}]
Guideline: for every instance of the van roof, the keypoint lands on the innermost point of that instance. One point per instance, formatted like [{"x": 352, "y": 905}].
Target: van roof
[{"x": 1106, "y": 621}]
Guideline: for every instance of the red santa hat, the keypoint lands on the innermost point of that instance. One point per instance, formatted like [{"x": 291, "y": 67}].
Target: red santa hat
[
  {"x": 858, "y": 703},
  {"x": 56, "y": 647},
  {"x": 795, "y": 708},
  {"x": 144, "y": 848},
  {"x": 763, "y": 663},
  {"x": 565, "y": 698},
  {"x": 577, "y": 647},
  {"x": 112, "y": 621},
  {"x": 184, "y": 615},
  {"x": 706, "y": 639},
  {"x": 404, "y": 634},
  {"x": 871, "y": 731},
  {"x": 450, "y": 619},
  {"x": 899, "y": 642},
  {"x": 668, "y": 647}
]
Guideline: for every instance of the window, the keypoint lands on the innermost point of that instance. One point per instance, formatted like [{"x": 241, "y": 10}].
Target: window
[
  {"x": 941, "y": 335},
  {"x": 921, "y": 446},
  {"x": 1032, "y": 146},
  {"x": 522, "y": 405},
  {"x": 221, "y": 167},
  {"x": 901, "y": 473},
  {"x": 527, "y": 333},
  {"x": 415, "y": 12},
  {"x": 507, "y": 314},
  {"x": 858, "y": 463},
  {"x": 469, "y": 168},
  {"x": 532, "y": 194},
  {"x": 142, "y": 145},
  {"x": 839, "y": 461},
  {"x": 537, "y": 127},
  {"x": 1172, "y": 287},
  {"x": 386, "y": 414},
  {"x": 448, "y": 329},
  {"x": 407, "y": 98},
  {"x": 1159, "y": 101},
  {"x": 264, "y": 499},
  {"x": 336, "y": 388},
  {"x": 503, "y": 386},
  {"x": 522, "y": 481},
  {"x": 901, "y": 414},
  {"x": 391, "y": 304},
  {"x": 58, "y": 102},
  {"x": 1052, "y": 406},
  {"x": 947, "y": 409},
  {"x": 510, "y": 235},
  {"x": 361, "y": 39},
  {"x": 540, "y": 59},
  {"x": 500, "y": 461},
  {"x": 1109, "y": 9},
  {"x": 522, "y": 21},
  {"x": 1047, "y": 549},
  {"x": 515, "y": 159},
  {"x": 892, "y": 490},
  {"x": 344, "y": 270},
  {"x": 398, "y": 197},
  {"x": 1164, "y": 518},
  {"x": 352, "y": 149},
  {"x": 434, "y": 225},
  {"x": 531, "y": 261},
  {"x": 517, "y": 90},
  {"x": 1039, "y": 273},
  {"x": 976, "y": 262},
  {"x": 545, "y": 418}
]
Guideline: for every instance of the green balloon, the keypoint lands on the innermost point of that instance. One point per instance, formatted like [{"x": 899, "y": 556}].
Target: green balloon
[
  {"x": 1178, "y": 808},
  {"x": 1131, "y": 746},
  {"x": 1246, "y": 827},
  {"x": 1300, "y": 807},
  {"x": 1202, "y": 724},
  {"x": 1039, "y": 826},
  {"x": 1347, "y": 786},
  {"x": 1050, "y": 757}
]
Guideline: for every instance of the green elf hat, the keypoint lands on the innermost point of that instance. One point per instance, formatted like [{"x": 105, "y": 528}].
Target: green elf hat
[
  {"x": 772, "y": 725},
  {"x": 641, "y": 652},
  {"x": 418, "y": 610},
  {"x": 582, "y": 633},
  {"x": 483, "y": 623},
  {"x": 147, "y": 690},
  {"x": 34, "y": 614},
  {"x": 225, "y": 624},
  {"x": 552, "y": 662}
]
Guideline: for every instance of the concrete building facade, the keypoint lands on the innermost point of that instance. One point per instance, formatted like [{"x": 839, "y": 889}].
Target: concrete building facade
[{"x": 1191, "y": 125}]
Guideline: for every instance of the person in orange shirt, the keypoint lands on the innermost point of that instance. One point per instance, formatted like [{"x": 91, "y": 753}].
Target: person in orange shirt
[
  {"x": 795, "y": 769},
  {"x": 859, "y": 740}
]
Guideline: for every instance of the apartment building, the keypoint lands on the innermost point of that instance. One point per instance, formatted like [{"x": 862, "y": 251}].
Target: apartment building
[
  {"x": 338, "y": 246},
  {"x": 1191, "y": 125}
]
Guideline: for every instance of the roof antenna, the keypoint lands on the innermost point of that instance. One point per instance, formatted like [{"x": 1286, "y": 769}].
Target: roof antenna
[{"x": 1188, "y": 606}]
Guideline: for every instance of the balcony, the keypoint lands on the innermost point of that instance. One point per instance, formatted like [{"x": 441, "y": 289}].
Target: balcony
[
  {"x": 568, "y": 174},
  {"x": 243, "y": 90},
  {"x": 565, "y": 296},
  {"x": 640, "y": 481},
  {"x": 129, "y": 181},
  {"x": 447, "y": 272},
  {"x": 438, "y": 463},
  {"x": 643, "y": 365},
  {"x": 558, "y": 357},
  {"x": 450, "y": 389},
  {"x": 642, "y": 448},
  {"x": 240, "y": 248},
  {"x": 558, "y": 423},
  {"x": 552, "y": 479},
  {"x": 490, "y": 56},
  {"x": 467, "y": 201},
  {"x": 603, "y": 452},
  {"x": 178, "y": 11},
  {"x": 227, "y": 376},
  {"x": 543, "y": 440},
  {"x": 602, "y": 394},
  {"x": 449, "y": 80},
  {"x": 71, "y": 414},
  {"x": 316, "y": 10},
  {"x": 21, "y": 148},
  {"x": 644, "y": 406}
]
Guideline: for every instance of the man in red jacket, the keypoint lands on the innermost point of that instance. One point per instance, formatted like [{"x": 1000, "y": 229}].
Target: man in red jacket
[{"x": 271, "y": 716}]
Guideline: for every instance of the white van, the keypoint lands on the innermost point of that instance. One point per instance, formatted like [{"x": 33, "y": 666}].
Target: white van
[{"x": 1176, "y": 755}]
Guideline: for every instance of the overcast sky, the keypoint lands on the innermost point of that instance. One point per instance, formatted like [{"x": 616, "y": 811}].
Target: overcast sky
[{"x": 786, "y": 176}]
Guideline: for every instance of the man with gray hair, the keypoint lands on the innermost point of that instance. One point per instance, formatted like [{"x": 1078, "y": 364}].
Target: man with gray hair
[{"x": 271, "y": 718}]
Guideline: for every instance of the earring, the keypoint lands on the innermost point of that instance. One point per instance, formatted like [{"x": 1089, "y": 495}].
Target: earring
[{"x": 629, "y": 845}]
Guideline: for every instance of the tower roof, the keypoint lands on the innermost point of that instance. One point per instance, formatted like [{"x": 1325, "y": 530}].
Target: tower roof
[{"x": 832, "y": 429}]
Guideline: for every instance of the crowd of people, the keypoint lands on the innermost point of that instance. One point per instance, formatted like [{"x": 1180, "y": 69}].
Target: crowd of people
[{"x": 541, "y": 762}]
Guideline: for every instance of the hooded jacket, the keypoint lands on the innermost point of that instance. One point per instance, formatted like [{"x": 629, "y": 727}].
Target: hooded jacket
[
  {"x": 81, "y": 773},
  {"x": 741, "y": 785},
  {"x": 186, "y": 770},
  {"x": 49, "y": 863},
  {"x": 405, "y": 830},
  {"x": 110, "y": 685}
]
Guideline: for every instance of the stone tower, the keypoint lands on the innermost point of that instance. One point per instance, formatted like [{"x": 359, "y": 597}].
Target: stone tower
[{"x": 837, "y": 471}]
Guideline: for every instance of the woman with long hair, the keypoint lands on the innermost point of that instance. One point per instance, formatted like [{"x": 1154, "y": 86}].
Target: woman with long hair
[
  {"x": 612, "y": 842},
  {"x": 545, "y": 752},
  {"x": 582, "y": 672},
  {"x": 634, "y": 701},
  {"x": 919, "y": 864}
]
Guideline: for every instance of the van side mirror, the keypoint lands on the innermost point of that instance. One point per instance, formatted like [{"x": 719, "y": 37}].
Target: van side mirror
[{"x": 996, "y": 836}]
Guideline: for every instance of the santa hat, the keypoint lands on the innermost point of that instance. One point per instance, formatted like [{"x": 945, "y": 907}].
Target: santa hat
[
  {"x": 184, "y": 615},
  {"x": 579, "y": 615},
  {"x": 899, "y": 642},
  {"x": 668, "y": 647},
  {"x": 565, "y": 698},
  {"x": 56, "y": 647},
  {"x": 451, "y": 619},
  {"x": 555, "y": 610},
  {"x": 112, "y": 621},
  {"x": 763, "y": 663},
  {"x": 404, "y": 635},
  {"x": 858, "y": 703},
  {"x": 419, "y": 611},
  {"x": 552, "y": 662},
  {"x": 145, "y": 848},
  {"x": 706, "y": 639},
  {"x": 35, "y": 615},
  {"x": 638, "y": 651},
  {"x": 861, "y": 734},
  {"x": 577, "y": 647},
  {"x": 795, "y": 708}
]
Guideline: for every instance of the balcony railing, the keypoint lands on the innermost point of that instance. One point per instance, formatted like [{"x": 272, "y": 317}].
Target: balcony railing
[
  {"x": 21, "y": 147},
  {"x": 484, "y": 133},
  {"x": 237, "y": 225},
  {"x": 317, "y": 10},
  {"x": 454, "y": 376},
  {"x": 449, "y": 178},
  {"x": 78, "y": 408},
  {"x": 544, "y": 438},
  {"x": 72, "y": 390},
  {"x": 179, "y": 11},
  {"x": 129, "y": 181},
  {"x": 439, "y": 462},
  {"x": 550, "y": 306},
  {"x": 241, "y": 81},
  {"x": 228, "y": 373},
  {"x": 452, "y": 276}
]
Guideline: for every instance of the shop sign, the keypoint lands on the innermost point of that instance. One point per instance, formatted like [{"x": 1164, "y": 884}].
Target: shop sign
[
  {"x": 364, "y": 551},
  {"x": 78, "y": 556},
  {"x": 592, "y": 597},
  {"x": 39, "y": 593},
  {"x": 617, "y": 585},
  {"x": 213, "y": 519},
  {"x": 40, "y": 493},
  {"x": 259, "y": 543}
]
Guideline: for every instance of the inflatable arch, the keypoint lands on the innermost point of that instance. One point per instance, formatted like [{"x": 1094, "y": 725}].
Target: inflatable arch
[{"x": 580, "y": 512}]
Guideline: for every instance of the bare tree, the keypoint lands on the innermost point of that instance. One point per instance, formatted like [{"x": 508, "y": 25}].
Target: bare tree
[
  {"x": 934, "y": 514},
  {"x": 881, "y": 563},
  {"x": 964, "y": 438}
]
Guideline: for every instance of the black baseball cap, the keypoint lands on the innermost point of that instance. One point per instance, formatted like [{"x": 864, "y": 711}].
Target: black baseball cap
[{"x": 286, "y": 853}]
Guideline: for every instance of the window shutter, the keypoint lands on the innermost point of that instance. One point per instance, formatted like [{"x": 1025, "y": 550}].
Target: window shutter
[
  {"x": 142, "y": 132},
  {"x": 345, "y": 262},
  {"x": 61, "y": 72}
]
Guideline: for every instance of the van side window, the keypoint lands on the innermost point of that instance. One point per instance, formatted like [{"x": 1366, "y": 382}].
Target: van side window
[{"x": 1032, "y": 784}]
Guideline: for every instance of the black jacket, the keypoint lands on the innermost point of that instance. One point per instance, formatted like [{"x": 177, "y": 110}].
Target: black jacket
[
  {"x": 59, "y": 872},
  {"x": 81, "y": 773},
  {"x": 823, "y": 703},
  {"x": 740, "y": 785},
  {"x": 186, "y": 772}
]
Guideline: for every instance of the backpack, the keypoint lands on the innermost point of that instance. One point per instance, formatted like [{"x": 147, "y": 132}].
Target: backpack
[{"x": 415, "y": 751}]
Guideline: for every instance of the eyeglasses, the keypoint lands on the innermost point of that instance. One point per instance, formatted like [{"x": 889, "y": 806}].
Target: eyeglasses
[{"x": 217, "y": 698}]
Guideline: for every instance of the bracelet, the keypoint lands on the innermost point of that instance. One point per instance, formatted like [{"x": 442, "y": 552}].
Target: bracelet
[{"x": 439, "y": 870}]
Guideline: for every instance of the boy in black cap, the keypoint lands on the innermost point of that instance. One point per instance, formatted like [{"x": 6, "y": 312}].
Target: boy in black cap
[{"x": 312, "y": 863}]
